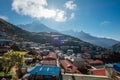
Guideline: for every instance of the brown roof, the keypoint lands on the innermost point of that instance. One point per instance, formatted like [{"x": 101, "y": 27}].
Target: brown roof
[
  {"x": 49, "y": 62},
  {"x": 50, "y": 56},
  {"x": 86, "y": 55},
  {"x": 95, "y": 62},
  {"x": 69, "y": 67}
]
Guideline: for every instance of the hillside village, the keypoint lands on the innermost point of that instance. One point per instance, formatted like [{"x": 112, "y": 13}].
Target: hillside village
[
  {"x": 63, "y": 58},
  {"x": 59, "y": 40}
]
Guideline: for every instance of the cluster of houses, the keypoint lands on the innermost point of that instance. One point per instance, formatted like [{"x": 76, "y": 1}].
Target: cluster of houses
[
  {"x": 53, "y": 57},
  {"x": 56, "y": 62},
  {"x": 74, "y": 64},
  {"x": 68, "y": 63},
  {"x": 4, "y": 43}
]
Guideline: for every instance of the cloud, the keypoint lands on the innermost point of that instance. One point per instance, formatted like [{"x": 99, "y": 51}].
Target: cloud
[
  {"x": 3, "y": 17},
  {"x": 105, "y": 23},
  {"x": 60, "y": 16},
  {"x": 72, "y": 16},
  {"x": 70, "y": 5},
  {"x": 38, "y": 9}
]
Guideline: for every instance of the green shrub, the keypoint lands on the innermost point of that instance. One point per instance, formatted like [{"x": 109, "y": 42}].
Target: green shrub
[
  {"x": 2, "y": 73},
  {"x": 11, "y": 74},
  {"x": 8, "y": 74}
]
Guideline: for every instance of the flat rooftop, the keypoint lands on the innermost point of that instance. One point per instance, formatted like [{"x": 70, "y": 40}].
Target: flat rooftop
[{"x": 45, "y": 70}]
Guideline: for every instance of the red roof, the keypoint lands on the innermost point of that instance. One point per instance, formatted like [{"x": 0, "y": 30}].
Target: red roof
[
  {"x": 96, "y": 62},
  {"x": 99, "y": 72},
  {"x": 65, "y": 64},
  {"x": 69, "y": 67}
]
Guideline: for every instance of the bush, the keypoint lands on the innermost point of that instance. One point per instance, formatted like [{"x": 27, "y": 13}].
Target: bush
[
  {"x": 11, "y": 74},
  {"x": 2, "y": 74}
]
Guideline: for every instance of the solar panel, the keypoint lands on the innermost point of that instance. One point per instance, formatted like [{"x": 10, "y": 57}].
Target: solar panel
[
  {"x": 45, "y": 70},
  {"x": 48, "y": 69},
  {"x": 40, "y": 68}
]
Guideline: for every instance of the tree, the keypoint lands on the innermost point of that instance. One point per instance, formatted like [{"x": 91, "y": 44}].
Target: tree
[
  {"x": 15, "y": 47},
  {"x": 11, "y": 59}
]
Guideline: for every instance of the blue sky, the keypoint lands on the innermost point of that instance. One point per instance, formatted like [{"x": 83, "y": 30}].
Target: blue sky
[{"x": 96, "y": 17}]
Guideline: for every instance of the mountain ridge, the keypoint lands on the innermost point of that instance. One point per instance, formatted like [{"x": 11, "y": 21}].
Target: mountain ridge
[
  {"x": 116, "y": 47},
  {"x": 103, "y": 42},
  {"x": 15, "y": 33},
  {"x": 36, "y": 26}
]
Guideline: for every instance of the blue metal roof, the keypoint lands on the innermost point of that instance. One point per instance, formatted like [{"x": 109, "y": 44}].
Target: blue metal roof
[
  {"x": 109, "y": 65},
  {"x": 116, "y": 67},
  {"x": 45, "y": 70}
]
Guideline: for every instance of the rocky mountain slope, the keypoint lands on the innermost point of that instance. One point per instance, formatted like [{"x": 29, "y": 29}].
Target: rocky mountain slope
[{"x": 103, "y": 42}]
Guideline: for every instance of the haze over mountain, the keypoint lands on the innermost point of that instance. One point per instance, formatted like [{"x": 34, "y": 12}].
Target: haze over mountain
[
  {"x": 116, "y": 47},
  {"x": 17, "y": 34},
  {"x": 36, "y": 26},
  {"x": 101, "y": 17},
  {"x": 103, "y": 42}
]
